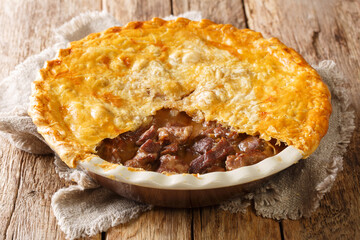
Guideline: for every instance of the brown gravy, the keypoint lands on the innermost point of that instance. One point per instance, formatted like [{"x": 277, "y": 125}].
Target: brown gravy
[{"x": 172, "y": 142}]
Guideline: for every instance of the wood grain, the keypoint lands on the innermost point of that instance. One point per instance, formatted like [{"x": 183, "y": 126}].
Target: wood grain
[
  {"x": 223, "y": 11},
  {"x": 213, "y": 223},
  {"x": 137, "y": 10},
  {"x": 27, "y": 181},
  {"x": 26, "y": 192},
  {"x": 322, "y": 30},
  {"x": 159, "y": 223}
]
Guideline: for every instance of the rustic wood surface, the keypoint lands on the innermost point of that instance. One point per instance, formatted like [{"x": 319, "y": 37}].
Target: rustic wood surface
[{"x": 324, "y": 29}]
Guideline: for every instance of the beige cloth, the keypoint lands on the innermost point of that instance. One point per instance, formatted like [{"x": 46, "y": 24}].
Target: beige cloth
[{"x": 86, "y": 209}]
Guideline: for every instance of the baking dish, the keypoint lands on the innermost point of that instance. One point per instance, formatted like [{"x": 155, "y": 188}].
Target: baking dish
[{"x": 187, "y": 190}]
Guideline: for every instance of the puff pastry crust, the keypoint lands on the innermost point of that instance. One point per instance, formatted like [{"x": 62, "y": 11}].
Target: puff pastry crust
[{"x": 111, "y": 82}]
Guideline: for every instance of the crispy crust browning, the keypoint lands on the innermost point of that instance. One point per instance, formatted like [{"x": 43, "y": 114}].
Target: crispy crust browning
[{"x": 111, "y": 82}]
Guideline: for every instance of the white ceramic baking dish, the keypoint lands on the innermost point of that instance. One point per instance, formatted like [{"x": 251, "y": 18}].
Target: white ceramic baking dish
[{"x": 187, "y": 190}]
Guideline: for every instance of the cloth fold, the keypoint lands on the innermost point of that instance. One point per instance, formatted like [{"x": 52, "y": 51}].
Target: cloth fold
[{"x": 86, "y": 209}]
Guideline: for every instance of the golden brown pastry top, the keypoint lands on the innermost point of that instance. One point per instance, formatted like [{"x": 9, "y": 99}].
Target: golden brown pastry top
[{"x": 111, "y": 82}]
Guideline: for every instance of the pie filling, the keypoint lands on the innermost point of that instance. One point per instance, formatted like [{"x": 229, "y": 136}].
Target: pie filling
[{"x": 172, "y": 142}]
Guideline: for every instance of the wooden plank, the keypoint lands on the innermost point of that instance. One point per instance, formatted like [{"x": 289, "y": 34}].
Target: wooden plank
[
  {"x": 27, "y": 26},
  {"x": 27, "y": 199},
  {"x": 223, "y": 11},
  {"x": 27, "y": 181},
  {"x": 212, "y": 223},
  {"x": 9, "y": 183},
  {"x": 322, "y": 30},
  {"x": 137, "y": 10},
  {"x": 159, "y": 223}
]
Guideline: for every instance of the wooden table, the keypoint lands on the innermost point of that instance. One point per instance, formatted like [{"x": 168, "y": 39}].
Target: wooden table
[{"x": 323, "y": 29}]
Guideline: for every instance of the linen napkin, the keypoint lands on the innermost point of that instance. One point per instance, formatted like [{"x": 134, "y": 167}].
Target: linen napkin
[{"x": 85, "y": 209}]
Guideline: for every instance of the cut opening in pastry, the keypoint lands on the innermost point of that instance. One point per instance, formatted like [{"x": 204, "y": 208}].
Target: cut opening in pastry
[{"x": 172, "y": 142}]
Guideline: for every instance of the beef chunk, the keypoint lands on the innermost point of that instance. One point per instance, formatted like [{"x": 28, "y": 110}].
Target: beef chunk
[
  {"x": 172, "y": 164},
  {"x": 203, "y": 145},
  {"x": 208, "y": 127},
  {"x": 253, "y": 143},
  {"x": 175, "y": 134},
  {"x": 150, "y": 147},
  {"x": 148, "y": 134},
  {"x": 131, "y": 136},
  {"x": 214, "y": 157},
  {"x": 220, "y": 132},
  {"x": 244, "y": 159},
  {"x": 217, "y": 131},
  {"x": 253, "y": 150},
  {"x": 145, "y": 157},
  {"x": 170, "y": 149},
  {"x": 214, "y": 130}
]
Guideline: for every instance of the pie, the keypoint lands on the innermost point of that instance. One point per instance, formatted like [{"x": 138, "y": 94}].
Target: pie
[{"x": 179, "y": 96}]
